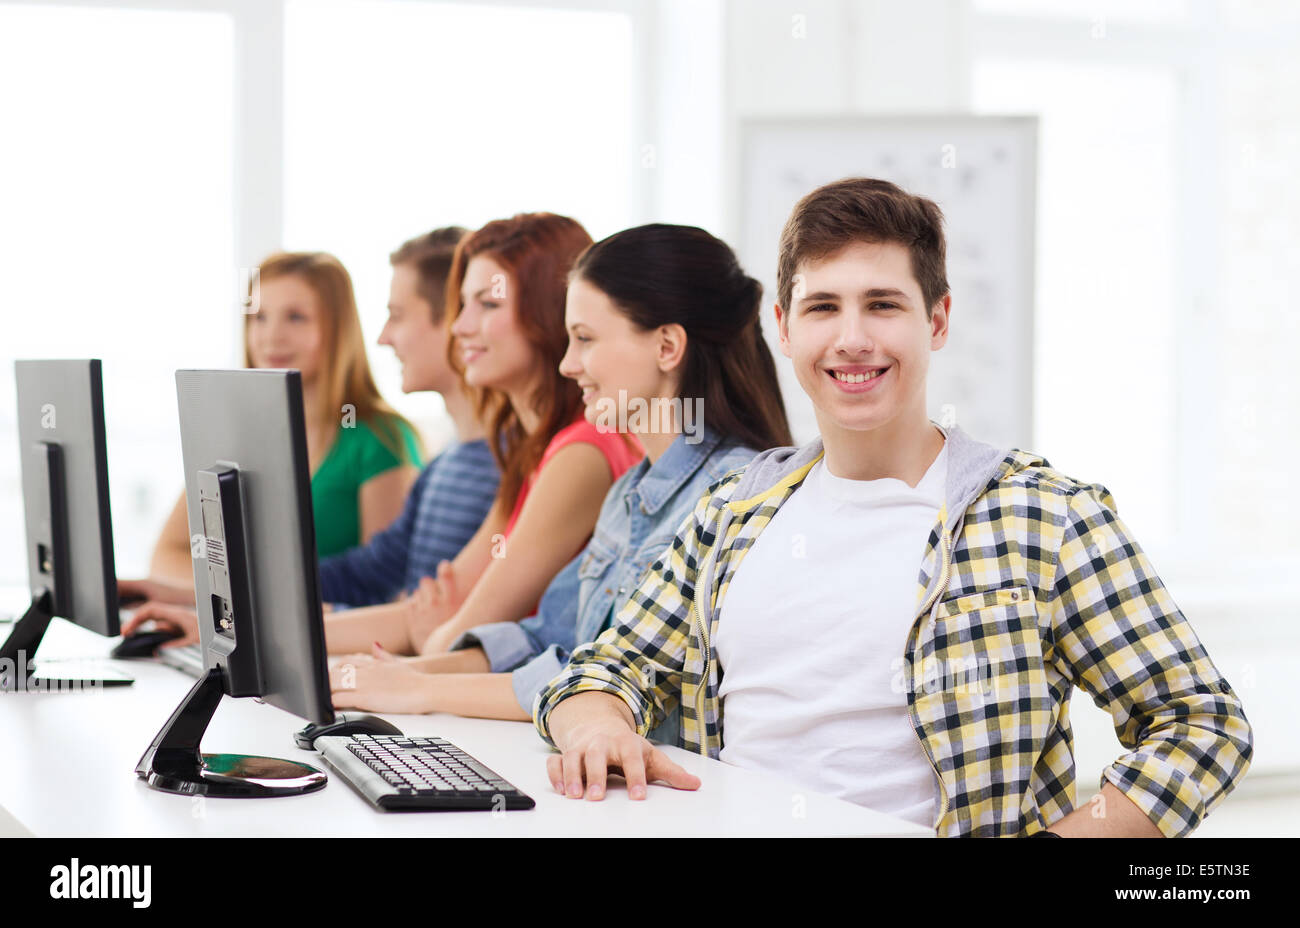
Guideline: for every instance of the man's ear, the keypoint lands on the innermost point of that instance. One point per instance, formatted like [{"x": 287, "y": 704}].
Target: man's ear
[
  {"x": 783, "y": 329},
  {"x": 672, "y": 347},
  {"x": 939, "y": 322}
]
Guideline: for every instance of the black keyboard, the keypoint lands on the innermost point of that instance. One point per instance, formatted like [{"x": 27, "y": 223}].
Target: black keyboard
[{"x": 397, "y": 772}]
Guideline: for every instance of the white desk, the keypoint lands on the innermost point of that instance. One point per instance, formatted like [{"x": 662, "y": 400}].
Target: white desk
[{"x": 70, "y": 759}]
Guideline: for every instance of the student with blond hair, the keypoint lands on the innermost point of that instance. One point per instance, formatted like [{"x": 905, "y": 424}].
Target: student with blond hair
[{"x": 364, "y": 456}]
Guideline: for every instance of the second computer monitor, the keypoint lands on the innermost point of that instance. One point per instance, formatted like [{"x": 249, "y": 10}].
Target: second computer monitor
[{"x": 248, "y": 495}]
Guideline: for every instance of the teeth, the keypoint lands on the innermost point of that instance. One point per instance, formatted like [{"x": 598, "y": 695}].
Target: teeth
[{"x": 858, "y": 378}]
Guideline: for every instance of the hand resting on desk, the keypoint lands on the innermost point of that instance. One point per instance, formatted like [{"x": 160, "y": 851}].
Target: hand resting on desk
[{"x": 595, "y": 735}]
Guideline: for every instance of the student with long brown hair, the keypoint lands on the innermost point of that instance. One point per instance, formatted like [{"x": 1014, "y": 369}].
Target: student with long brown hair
[
  {"x": 363, "y": 455},
  {"x": 506, "y": 315}
]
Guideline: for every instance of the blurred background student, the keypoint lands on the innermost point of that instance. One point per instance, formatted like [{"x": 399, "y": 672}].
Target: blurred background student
[
  {"x": 452, "y": 495},
  {"x": 363, "y": 455},
  {"x": 455, "y": 491}
]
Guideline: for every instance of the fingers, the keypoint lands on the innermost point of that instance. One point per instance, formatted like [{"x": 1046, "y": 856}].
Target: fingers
[
  {"x": 597, "y": 768},
  {"x": 447, "y": 581},
  {"x": 634, "y": 773},
  {"x": 339, "y": 660},
  {"x": 555, "y": 772},
  {"x": 659, "y": 767},
  {"x": 181, "y": 619},
  {"x": 343, "y": 676},
  {"x": 428, "y": 592},
  {"x": 584, "y": 770},
  {"x": 380, "y": 653},
  {"x": 571, "y": 769},
  {"x": 134, "y": 622},
  {"x": 344, "y": 690},
  {"x": 155, "y": 612},
  {"x": 131, "y": 592}
]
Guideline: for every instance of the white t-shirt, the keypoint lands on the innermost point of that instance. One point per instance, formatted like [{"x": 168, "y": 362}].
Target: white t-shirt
[{"x": 811, "y": 637}]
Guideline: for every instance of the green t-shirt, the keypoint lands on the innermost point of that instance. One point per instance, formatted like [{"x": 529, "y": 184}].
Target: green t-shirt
[{"x": 356, "y": 455}]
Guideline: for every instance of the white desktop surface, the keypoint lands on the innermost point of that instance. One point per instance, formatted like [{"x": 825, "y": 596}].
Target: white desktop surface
[{"x": 70, "y": 760}]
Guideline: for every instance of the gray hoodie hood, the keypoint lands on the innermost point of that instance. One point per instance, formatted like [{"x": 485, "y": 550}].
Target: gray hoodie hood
[{"x": 971, "y": 465}]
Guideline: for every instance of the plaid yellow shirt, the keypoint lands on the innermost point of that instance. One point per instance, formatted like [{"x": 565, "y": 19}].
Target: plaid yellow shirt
[{"x": 1029, "y": 586}]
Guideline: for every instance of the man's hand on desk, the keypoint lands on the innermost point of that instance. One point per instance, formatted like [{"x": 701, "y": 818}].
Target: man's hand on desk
[
  {"x": 595, "y": 735},
  {"x": 165, "y": 615}
]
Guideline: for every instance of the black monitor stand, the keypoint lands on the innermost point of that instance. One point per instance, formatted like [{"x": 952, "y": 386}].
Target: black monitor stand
[
  {"x": 24, "y": 639},
  {"x": 174, "y": 763}
]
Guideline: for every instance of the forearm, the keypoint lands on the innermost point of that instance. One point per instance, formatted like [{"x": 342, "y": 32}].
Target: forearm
[
  {"x": 469, "y": 660},
  {"x": 1118, "y": 635},
  {"x": 502, "y": 595},
  {"x": 584, "y": 710},
  {"x": 1110, "y": 814},
  {"x": 473, "y": 560},
  {"x": 367, "y": 575},
  {"x": 476, "y": 695},
  {"x": 172, "y": 563},
  {"x": 381, "y": 500},
  {"x": 356, "y": 630},
  {"x": 172, "y": 558}
]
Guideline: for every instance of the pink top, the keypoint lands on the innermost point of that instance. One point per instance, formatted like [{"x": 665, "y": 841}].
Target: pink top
[{"x": 621, "y": 451}]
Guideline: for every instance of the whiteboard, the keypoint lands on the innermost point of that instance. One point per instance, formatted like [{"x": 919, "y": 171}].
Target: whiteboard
[{"x": 981, "y": 170}]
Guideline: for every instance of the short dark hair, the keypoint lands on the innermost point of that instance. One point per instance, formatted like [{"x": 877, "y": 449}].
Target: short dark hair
[
  {"x": 863, "y": 209},
  {"x": 430, "y": 254}
]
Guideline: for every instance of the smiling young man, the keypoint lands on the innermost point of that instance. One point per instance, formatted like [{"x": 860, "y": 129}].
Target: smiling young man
[{"x": 896, "y": 613}]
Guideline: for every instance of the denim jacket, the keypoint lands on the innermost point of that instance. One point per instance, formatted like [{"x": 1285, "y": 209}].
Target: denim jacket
[{"x": 638, "y": 521}]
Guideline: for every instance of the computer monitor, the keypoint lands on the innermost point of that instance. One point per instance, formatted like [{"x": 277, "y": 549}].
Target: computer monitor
[
  {"x": 69, "y": 528},
  {"x": 256, "y": 585}
]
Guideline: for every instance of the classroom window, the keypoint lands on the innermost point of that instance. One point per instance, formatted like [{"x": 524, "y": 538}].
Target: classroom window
[
  {"x": 1167, "y": 229},
  {"x": 115, "y": 232},
  {"x": 404, "y": 116},
  {"x": 1104, "y": 370}
]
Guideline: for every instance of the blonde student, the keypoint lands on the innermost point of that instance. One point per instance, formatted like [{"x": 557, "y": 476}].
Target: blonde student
[
  {"x": 452, "y": 495},
  {"x": 364, "y": 456}
]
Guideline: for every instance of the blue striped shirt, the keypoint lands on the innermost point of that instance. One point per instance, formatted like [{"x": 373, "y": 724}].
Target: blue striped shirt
[{"x": 444, "y": 509}]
